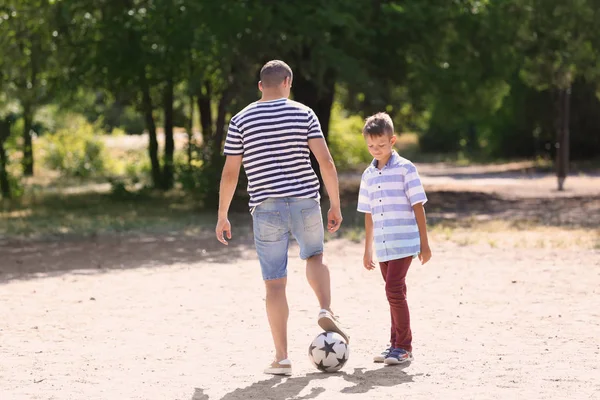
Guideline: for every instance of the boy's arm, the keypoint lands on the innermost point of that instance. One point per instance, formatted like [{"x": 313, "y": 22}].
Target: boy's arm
[
  {"x": 368, "y": 257},
  {"x": 319, "y": 148},
  {"x": 425, "y": 254},
  {"x": 229, "y": 180}
]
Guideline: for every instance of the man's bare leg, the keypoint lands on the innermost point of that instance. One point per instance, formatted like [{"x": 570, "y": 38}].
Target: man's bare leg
[
  {"x": 317, "y": 274},
  {"x": 277, "y": 313}
]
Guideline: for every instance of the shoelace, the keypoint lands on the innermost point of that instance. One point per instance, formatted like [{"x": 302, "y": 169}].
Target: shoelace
[{"x": 396, "y": 353}]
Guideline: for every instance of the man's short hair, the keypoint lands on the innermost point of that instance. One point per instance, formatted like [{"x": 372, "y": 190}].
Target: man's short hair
[
  {"x": 274, "y": 73},
  {"x": 378, "y": 125}
]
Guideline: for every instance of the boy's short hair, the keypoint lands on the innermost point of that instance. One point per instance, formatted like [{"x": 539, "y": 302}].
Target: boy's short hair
[
  {"x": 378, "y": 125},
  {"x": 274, "y": 73}
]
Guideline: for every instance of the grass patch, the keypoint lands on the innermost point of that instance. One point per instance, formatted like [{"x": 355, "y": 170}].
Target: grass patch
[
  {"x": 58, "y": 215},
  {"x": 514, "y": 234},
  {"x": 496, "y": 233},
  {"x": 87, "y": 214}
]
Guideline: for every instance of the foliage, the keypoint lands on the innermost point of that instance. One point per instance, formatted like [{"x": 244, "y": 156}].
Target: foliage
[
  {"x": 75, "y": 152},
  {"x": 346, "y": 142},
  {"x": 472, "y": 76}
]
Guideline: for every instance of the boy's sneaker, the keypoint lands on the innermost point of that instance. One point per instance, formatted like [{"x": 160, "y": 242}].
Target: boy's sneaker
[
  {"x": 398, "y": 356},
  {"x": 379, "y": 358},
  {"x": 329, "y": 323},
  {"x": 283, "y": 367}
]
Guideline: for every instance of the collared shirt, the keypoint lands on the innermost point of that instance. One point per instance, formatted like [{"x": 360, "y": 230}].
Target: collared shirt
[{"x": 389, "y": 195}]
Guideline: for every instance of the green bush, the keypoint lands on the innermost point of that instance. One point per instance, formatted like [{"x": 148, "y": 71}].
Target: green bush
[
  {"x": 16, "y": 187},
  {"x": 346, "y": 142},
  {"x": 131, "y": 121},
  {"x": 74, "y": 152}
]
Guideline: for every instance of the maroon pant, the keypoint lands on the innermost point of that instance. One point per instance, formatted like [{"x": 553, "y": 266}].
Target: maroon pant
[{"x": 394, "y": 275}]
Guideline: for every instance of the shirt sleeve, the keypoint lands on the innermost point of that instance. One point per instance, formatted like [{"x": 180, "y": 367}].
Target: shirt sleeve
[
  {"x": 234, "y": 145},
  {"x": 314, "y": 127},
  {"x": 413, "y": 186},
  {"x": 364, "y": 204}
]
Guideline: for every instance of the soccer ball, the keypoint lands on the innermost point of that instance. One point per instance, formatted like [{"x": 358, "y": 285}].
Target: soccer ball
[{"x": 328, "y": 352}]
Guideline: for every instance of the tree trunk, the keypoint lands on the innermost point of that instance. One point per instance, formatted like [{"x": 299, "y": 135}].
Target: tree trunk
[
  {"x": 204, "y": 97},
  {"x": 325, "y": 101},
  {"x": 213, "y": 160},
  {"x": 305, "y": 90},
  {"x": 27, "y": 140},
  {"x": 204, "y": 108},
  {"x": 562, "y": 142},
  {"x": 319, "y": 97},
  {"x": 151, "y": 127},
  {"x": 316, "y": 92},
  {"x": 4, "y": 183},
  {"x": 168, "y": 168},
  {"x": 29, "y": 107},
  {"x": 220, "y": 125},
  {"x": 190, "y": 133}
]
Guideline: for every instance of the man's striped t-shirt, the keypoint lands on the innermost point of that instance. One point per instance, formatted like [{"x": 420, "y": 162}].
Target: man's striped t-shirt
[
  {"x": 389, "y": 194},
  {"x": 272, "y": 138}
]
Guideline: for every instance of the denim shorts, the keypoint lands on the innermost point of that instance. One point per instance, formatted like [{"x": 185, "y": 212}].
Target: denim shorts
[{"x": 273, "y": 222}]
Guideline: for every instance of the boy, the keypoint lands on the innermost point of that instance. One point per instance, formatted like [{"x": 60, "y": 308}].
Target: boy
[{"x": 392, "y": 198}]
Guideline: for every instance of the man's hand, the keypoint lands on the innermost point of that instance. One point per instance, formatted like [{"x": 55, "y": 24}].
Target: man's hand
[
  {"x": 368, "y": 262},
  {"x": 223, "y": 229},
  {"x": 334, "y": 219},
  {"x": 425, "y": 254}
]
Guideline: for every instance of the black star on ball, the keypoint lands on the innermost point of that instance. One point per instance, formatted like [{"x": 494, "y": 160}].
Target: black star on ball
[
  {"x": 328, "y": 348},
  {"x": 341, "y": 361},
  {"x": 311, "y": 348},
  {"x": 321, "y": 367}
]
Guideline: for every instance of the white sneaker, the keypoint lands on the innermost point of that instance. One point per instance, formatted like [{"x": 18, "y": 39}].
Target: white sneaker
[
  {"x": 329, "y": 323},
  {"x": 283, "y": 367}
]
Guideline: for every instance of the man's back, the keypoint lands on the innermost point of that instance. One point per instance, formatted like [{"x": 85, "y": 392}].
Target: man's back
[{"x": 272, "y": 136}]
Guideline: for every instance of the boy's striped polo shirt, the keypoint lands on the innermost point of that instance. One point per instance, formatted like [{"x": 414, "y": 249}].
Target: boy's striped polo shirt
[{"x": 388, "y": 195}]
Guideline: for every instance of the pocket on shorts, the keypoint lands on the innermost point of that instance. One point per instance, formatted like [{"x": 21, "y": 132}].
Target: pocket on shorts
[
  {"x": 311, "y": 218},
  {"x": 268, "y": 225}
]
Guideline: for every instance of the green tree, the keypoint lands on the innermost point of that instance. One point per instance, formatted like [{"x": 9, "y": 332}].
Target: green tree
[
  {"x": 458, "y": 60},
  {"x": 28, "y": 45},
  {"x": 560, "y": 42},
  {"x": 5, "y": 131},
  {"x": 129, "y": 47}
]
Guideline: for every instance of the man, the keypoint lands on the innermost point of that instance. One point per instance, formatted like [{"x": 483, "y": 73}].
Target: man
[{"x": 273, "y": 138}]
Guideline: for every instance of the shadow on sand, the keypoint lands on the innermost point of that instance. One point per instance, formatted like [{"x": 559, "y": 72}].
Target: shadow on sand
[{"x": 280, "y": 388}]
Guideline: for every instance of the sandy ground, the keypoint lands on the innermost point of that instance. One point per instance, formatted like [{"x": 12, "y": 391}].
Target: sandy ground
[
  {"x": 107, "y": 320},
  {"x": 179, "y": 317}
]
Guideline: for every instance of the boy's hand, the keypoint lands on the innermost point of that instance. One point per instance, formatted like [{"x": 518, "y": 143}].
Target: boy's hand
[
  {"x": 334, "y": 219},
  {"x": 425, "y": 254},
  {"x": 368, "y": 262},
  {"x": 223, "y": 229}
]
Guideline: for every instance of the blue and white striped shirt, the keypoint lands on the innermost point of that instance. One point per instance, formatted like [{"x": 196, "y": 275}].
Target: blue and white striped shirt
[
  {"x": 272, "y": 136},
  {"x": 388, "y": 195}
]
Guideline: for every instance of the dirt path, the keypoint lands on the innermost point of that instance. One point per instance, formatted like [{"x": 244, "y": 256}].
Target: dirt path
[
  {"x": 181, "y": 317},
  {"x": 108, "y": 321}
]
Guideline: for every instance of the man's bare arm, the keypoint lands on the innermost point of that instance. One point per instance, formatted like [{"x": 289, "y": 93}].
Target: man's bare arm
[
  {"x": 330, "y": 179},
  {"x": 229, "y": 180}
]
